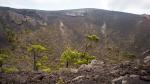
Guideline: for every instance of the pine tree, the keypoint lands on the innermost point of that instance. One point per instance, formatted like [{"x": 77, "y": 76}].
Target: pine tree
[{"x": 35, "y": 51}]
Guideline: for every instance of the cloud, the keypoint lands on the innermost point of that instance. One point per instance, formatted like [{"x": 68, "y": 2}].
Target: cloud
[
  {"x": 131, "y": 6},
  {"x": 55, "y": 4}
]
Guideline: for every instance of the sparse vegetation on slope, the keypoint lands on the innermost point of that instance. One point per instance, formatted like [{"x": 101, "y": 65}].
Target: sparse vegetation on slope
[{"x": 72, "y": 47}]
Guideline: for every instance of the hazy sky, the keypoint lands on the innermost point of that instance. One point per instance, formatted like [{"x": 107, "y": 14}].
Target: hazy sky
[{"x": 131, "y": 6}]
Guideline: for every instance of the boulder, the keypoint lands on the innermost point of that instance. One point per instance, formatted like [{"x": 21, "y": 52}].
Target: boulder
[
  {"x": 147, "y": 60},
  {"x": 119, "y": 80},
  {"x": 145, "y": 78},
  {"x": 132, "y": 79},
  {"x": 78, "y": 78},
  {"x": 85, "y": 67},
  {"x": 96, "y": 62}
]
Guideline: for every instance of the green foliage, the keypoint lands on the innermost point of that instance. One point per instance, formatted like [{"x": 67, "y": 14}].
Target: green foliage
[
  {"x": 41, "y": 61},
  {"x": 94, "y": 38},
  {"x": 4, "y": 51},
  {"x": 11, "y": 36},
  {"x": 45, "y": 69},
  {"x": 84, "y": 59},
  {"x": 91, "y": 39},
  {"x": 3, "y": 58},
  {"x": 9, "y": 69},
  {"x": 60, "y": 81},
  {"x": 69, "y": 56},
  {"x": 36, "y": 48},
  {"x": 128, "y": 55},
  {"x": 80, "y": 62},
  {"x": 74, "y": 57},
  {"x": 41, "y": 64}
]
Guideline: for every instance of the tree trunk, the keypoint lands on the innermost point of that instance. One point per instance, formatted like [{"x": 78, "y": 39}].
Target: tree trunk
[
  {"x": 67, "y": 64},
  {"x": 34, "y": 62},
  {"x": 1, "y": 67},
  {"x": 86, "y": 49}
]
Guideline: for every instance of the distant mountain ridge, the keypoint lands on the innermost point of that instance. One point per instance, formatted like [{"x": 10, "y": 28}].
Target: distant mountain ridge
[{"x": 58, "y": 29}]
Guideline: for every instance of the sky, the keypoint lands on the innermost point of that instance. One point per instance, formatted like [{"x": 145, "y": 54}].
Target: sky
[{"x": 130, "y": 6}]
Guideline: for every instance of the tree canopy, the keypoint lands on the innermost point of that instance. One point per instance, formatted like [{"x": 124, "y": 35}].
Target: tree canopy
[
  {"x": 93, "y": 37},
  {"x": 36, "y": 48},
  {"x": 74, "y": 57}
]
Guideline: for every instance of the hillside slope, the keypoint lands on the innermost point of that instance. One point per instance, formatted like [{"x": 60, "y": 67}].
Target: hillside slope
[{"x": 59, "y": 29}]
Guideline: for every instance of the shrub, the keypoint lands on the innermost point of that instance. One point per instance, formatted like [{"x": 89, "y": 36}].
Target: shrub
[
  {"x": 74, "y": 57},
  {"x": 45, "y": 69},
  {"x": 93, "y": 37},
  {"x": 69, "y": 56},
  {"x": 9, "y": 69},
  {"x": 60, "y": 81},
  {"x": 41, "y": 64},
  {"x": 3, "y": 58},
  {"x": 128, "y": 55}
]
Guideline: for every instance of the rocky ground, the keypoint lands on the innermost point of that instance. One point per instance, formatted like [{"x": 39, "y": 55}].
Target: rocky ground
[{"x": 95, "y": 73}]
